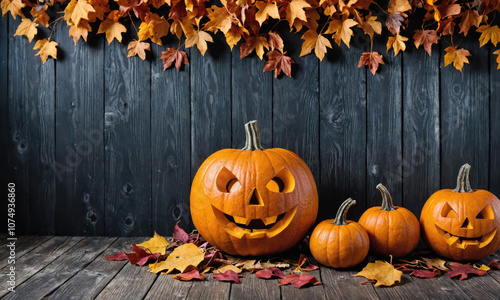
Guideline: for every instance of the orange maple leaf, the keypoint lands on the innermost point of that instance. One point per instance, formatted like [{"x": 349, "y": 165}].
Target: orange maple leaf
[
  {"x": 76, "y": 11},
  {"x": 457, "y": 57},
  {"x": 266, "y": 10},
  {"x": 171, "y": 55},
  {"x": 138, "y": 48},
  {"x": 342, "y": 30},
  {"x": 40, "y": 13},
  {"x": 112, "y": 27},
  {"x": 27, "y": 28},
  {"x": 370, "y": 25},
  {"x": 200, "y": 39},
  {"x": 313, "y": 40},
  {"x": 312, "y": 17},
  {"x": 399, "y": 6},
  {"x": 154, "y": 27},
  {"x": 397, "y": 43},
  {"x": 233, "y": 36},
  {"x": 489, "y": 34},
  {"x": 275, "y": 41},
  {"x": 219, "y": 19},
  {"x": 498, "y": 58},
  {"x": 469, "y": 18},
  {"x": 372, "y": 60},
  {"x": 101, "y": 7},
  {"x": 427, "y": 38},
  {"x": 81, "y": 30},
  {"x": 47, "y": 48},
  {"x": 257, "y": 43},
  {"x": 278, "y": 62},
  {"x": 14, "y": 6},
  {"x": 295, "y": 10}
]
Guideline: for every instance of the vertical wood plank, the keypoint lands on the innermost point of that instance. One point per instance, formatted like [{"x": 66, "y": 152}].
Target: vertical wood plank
[
  {"x": 342, "y": 131},
  {"x": 421, "y": 159},
  {"x": 127, "y": 143},
  {"x": 384, "y": 140},
  {"x": 31, "y": 131},
  {"x": 209, "y": 289},
  {"x": 494, "y": 164},
  {"x": 170, "y": 145},
  {"x": 465, "y": 118},
  {"x": 79, "y": 136}
]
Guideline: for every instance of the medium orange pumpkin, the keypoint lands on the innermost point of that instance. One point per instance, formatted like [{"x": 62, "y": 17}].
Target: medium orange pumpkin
[
  {"x": 339, "y": 243},
  {"x": 462, "y": 224},
  {"x": 253, "y": 202},
  {"x": 392, "y": 230}
]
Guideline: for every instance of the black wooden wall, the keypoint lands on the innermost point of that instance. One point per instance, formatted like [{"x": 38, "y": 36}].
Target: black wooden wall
[{"x": 101, "y": 144}]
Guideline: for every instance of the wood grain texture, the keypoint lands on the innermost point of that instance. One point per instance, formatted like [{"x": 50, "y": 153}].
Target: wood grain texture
[
  {"x": 494, "y": 166},
  {"x": 465, "y": 118},
  {"x": 406, "y": 289},
  {"x": 32, "y": 136},
  {"x": 480, "y": 288},
  {"x": 24, "y": 244},
  {"x": 342, "y": 132},
  {"x": 4, "y": 112},
  {"x": 166, "y": 287},
  {"x": 79, "y": 130},
  {"x": 252, "y": 288},
  {"x": 61, "y": 269},
  {"x": 127, "y": 143},
  {"x": 421, "y": 150},
  {"x": 170, "y": 146},
  {"x": 440, "y": 287},
  {"x": 341, "y": 284},
  {"x": 209, "y": 289},
  {"x": 312, "y": 292}
]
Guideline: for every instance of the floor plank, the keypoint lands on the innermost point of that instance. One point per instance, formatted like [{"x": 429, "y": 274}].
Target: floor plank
[
  {"x": 252, "y": 288},
  {"x": 209, "y": 289},
  {"x": 96, "y": 276},
  {"x": 312, "y": 292},
  {"x": 24, "y": 244},
  {"x": 406, "y": 289},
  {"x": 482, "y": 288},
  {"x": 61, "y": 269},
  {"x": 342, "y": 284},
  {"x": 441, "y": 287},
  {"x": 166, "y": 287}
]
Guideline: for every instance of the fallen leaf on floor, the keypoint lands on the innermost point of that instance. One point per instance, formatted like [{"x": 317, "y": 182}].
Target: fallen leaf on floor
[
  {"x": 140, "y": 256},
  {"x": 426, "y": 273},
  {"x": 184, "y": 256},
  {"x": 436, "y": 263},
  {"x": 227, "y": 276},
  {"x": 269, "y": 273},
  {"x": 225, "y": 268},
  {"x": 305, "y": 264},
  {"x": 482, "y": 267},
  {"x": 180, "y": 234},
  {"x": 246, "y": 264},
  {"x": 157, "y": 244},
  {"x": 117, "y": 256},
  {"x": 367, "y": 281},
  {"x": 191, "y": 275},
  {"x": 383, "y": 272},
  {"x": 494, "y": 264},
  {"x": 299, "y": 281},
  {"x": 458, "y": 269}
]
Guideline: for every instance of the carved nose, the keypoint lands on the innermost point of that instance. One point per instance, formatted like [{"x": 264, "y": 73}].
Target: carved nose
[
  {"x": 255, "y": 198},
  {"x": 467, "y": 224}
]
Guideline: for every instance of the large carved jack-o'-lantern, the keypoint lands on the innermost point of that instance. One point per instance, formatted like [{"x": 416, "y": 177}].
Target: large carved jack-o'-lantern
[
  {"x": 253, "y": 202},
  {"x": 462, "y": 224}
]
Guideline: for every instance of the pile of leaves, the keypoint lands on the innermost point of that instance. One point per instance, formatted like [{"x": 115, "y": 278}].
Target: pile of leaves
[
  {"x": 189, "y": 257},
  {"x": 253, "y": 23}
]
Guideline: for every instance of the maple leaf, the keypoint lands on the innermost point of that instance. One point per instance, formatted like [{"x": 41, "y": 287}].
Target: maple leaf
[
  {"x": 370, "y": 25},
  {"x": 220, "y": 19},
  {"x": 399, "y": 6},
  {"x": 489, "y": 34},
  {"x": 483, "y": 267},
  {"x": 372, "y": 60},
  {"x": 157, "y": 3},
  {"x": 257, "y": 43},
  {"x": 295, "y": 10},
  {"x": 495, "y": 263},
  {"x": 458, "y": 269},
  {"x": 200, "y": 39},
  {"x": 153, "y": 27},
  {"x": 117, "y": 257},
  {"x": 39, "y": 12},
  {"x": 47, "y": 48},
  {"x": 138, "y": 48},
  {"x": 246, "y": 264},
  {"x": 342, "y": 30},
  {"x": 436, "y": 263},
  {"x": 277, "y": 62},
  {"x": 157, "y": 244},
  {"x": 381, "y": 271},
  {"x": 180, "y": 234},
  {"x": 397, "y": 43},
  {"x": 27, "y": 28},
  {"x": 233, "y": 36},
  {"x": 426, "y": 38},
  {"x": 469, "y": 18},
  {"x": 312, "y": 17},
  {"x": 191, "y": 275},
  {"x": 299, "y": 281},
  {"x": 101, "y": 7},
  {"x": 14, "y": 6},
  {"x": 447, "y": 8},
  {"x": 227, "y": 276},
  {"x": 183, "y": 257},
  {"x": 81, "y": 11},
  {"x": 171, "y": 55},
  {"x": 456, "y": 56},
  {"x": 227, "y": 267},
  {"x": 303, "y": 260},
  {"x": 266, "y": 9},
  {"x": 81, "y": 30},
  {"x": 139, "y": 7},
  {"x": 112, "y": 27},
  {"x": 313, "y": 40},
  {"x": 425, "y": 273},
  {"x": 275, "y": 41},
  {"x": 394, "y": 22},
  {"x": 139, "y": 256},
  {"x": 270, "y": 273}
]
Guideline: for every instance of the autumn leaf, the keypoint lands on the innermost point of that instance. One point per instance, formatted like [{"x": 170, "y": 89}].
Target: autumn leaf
[
  {"x": 275, "y": 41},
  {"x": 436, "y": 263},
  {"x": 270, "y": 273},
  {"x": 14, "y": 6},
  {"x": 483, "y": 267},
  {"x": 299, "y": 281},
  {"x": 302, "y": 262},
  {"x": 496, "y": 262},
  {"x": 370, "y": 25},
  {"x": 200, "y": 39},
  {"x": 157, "y": 244},
  {"x": 470, "y": 18},
  {"x": 227, "y": 276},
  {"x": 101, "y": 7},
  {"x": 191, "y": 275},
  {"x": 426, "y": 38},
  {"x": 233, "y": 36},
  {"x": 139, "y": 7},
  {"x": 39, "y": 12},
  {"x": 399, "y": 6},
  {"x": 112, "y": 27},
  {"x": 489, "y": 34},
  {"x": 278, "y": 62},
  {"x": 341, "y": 30},
  {"x": 140, "y": 256},
  {"x": 372, "y": 60},
  {"x": 397, "y": 43},
  {"x": 47, "y": 48},
  {"x": 180, "y": 234},
  {"x": 395, "y": 22},
  {"x": 426, "y": 273},
  {"x": 118, "y": 256},
  {"x": 456, "y": 56},
  {"x": 27, "y": 28},
  {"x": 381, "y": 271},
  {"x": 138, "y": 48},
  {"x": 153, "y": 27},
  {"x": 80, "y": 31},
  {"x": 266, "y": 10},
  {"x": 183, "y": 257},
  {"x": 174, "y": 55},
  {"x": 458, "y": 269},
  {"x": 313, "y": 40},
  {"x": 257, "y": 43},
  {"x": 295, "y": 10},
  {"x": 80, "y": 10},
  {"x": 246, "y": 264},
  {"x": 220, "y": 19},
  {"x": 227, "y": 267}
]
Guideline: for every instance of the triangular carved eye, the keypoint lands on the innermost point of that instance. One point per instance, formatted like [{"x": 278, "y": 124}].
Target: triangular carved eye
[
  {"x": 282, "y": 182},
  {"x": 227, "y": 181},
  {"x": 448, "y": 212},
  {"x": 486, "y": 213}
]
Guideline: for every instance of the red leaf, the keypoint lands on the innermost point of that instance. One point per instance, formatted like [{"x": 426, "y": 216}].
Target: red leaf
[
  {"x": 310, "y": 267},
  {"x": 192, "y": 275},
  {"x": 180, "y": 234},
  {"x": 117, "y": 256},
  {"x": 494, "y": 264},
  {"x": 372, "y": 60},
  {"x": 229, "y": 275},
  {"x": 394, "y": 22},
  {"x": 277, "y": 62},
  {"x": 367, "y": 281},
  {"x": 171, "y": 55},
  {"x": 140, "y": 256},
  {"x": 426, "y": 273},
  {"x": 299, "y": 281},
  {"x": 269, "y": 273},
  {"x": 458, "y": 269}
]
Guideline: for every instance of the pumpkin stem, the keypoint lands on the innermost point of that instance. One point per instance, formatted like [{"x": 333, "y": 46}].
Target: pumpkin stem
[
  {"x": 340, "y": 218},
  {"x": 386, "y": 198},
  {"x": 463, "y": 184},
  {"x": 253, "y": 137}
]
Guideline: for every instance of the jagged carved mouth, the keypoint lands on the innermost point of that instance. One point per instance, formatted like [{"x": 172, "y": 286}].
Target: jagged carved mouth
[
  {"x": 464, "y": 242},
  {"x": 254, "y": 228}
]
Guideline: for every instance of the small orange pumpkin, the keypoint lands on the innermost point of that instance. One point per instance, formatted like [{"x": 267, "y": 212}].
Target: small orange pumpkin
[
  {"x": 339, "y": 243},
  {"x": 462, "y": 224},
  {"x": 392, "y": 230},
  {"x": 253, "y": 202}
]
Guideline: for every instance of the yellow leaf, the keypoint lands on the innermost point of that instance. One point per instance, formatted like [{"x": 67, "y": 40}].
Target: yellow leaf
[
  {"x": 220, "y": 19},
  {"x": 82, "y": 30},
  {"x": 27, "y": 28},
  {"x": 381, "y": 271},
  {"x": 371, "y": 26},
  {"x": 40, "y": 13},
  {"x": 112, "y": 27},
  {"x": 153, "y": 27},
  {"x": 266, "y": 9},
  {"x": 342, "y": 30},
  {"x": 257, "y": 43},
  {"x": 313, "y": 40},
  {"x": 14, "y": 6},
  {"x": 81, "y": 11},
  {"x": 157, "y": 244},
  {"x": 436, "y": 263},
  {"x": 397, "y": 43},
  {"x": 46, "y": 49},
  {"x": 295, "y": 10},
  {"x": 399, "y": 5},
  {"x": 183, "y": 257},
  {"x": 483, "y": 267},
  {"x": 200, "y": 39},
  {"x": 489, "y": 34},
  {"x": 456, "y": 56},
  {"x": 233, "y": 36},
  {"x": 225, "y": 268},
  {"x": 498, "y": 58}
]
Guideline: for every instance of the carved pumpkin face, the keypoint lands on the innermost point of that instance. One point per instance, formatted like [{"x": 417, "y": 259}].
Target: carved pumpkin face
[
  {"x": 253, "y": 202},
  {"x": 462, "y": 224}
]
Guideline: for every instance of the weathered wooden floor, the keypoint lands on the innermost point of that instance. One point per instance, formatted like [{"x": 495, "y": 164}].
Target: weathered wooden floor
[{"x": 75, "y": 268}]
